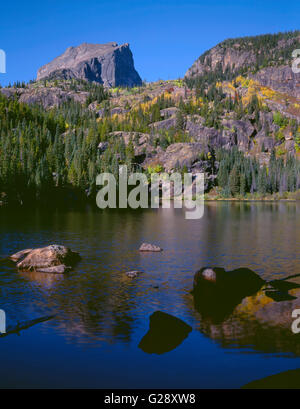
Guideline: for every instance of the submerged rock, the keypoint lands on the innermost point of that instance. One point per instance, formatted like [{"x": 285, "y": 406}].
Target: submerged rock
[
  {"x": 166, "y": 333},
  {"x": 55, "y": 269},
  {"x": 51, "y": 259},
  {"x": 149, "y": 247}
]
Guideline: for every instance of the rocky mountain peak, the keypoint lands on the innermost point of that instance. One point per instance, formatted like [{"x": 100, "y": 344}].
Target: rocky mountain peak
[{"x": 109, "y": 64}]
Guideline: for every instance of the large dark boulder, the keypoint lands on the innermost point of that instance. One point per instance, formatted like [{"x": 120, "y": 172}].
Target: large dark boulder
[
  {"x": 217, "y": 291},
  {"x": 166, "y": 333}
]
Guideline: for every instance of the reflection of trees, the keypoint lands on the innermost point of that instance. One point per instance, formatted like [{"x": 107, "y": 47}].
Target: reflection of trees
[
  {"x": 91, "y": 308},
  {"x": 96, "y": 300}
]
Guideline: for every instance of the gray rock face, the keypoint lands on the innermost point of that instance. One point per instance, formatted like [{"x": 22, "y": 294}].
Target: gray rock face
[
  {"x": 165, "y": 124},
  {"x": 281, "y": 79},
  {"x": 245, "y": 52},
  {"x": 241, "y": 132},
  {"x": 108, "y": 64},
  {"x": 168, "y": 112},
  {"x": 47, "y": 97},
  {"x": 177, "y": 155},
  {"x": 141, "y": 142},
  {"x": 205, "y": 135},
  {"x": 231, "y": 57}
]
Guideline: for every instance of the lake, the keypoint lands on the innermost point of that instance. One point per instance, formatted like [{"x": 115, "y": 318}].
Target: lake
[{"x": 100, "y": 315}]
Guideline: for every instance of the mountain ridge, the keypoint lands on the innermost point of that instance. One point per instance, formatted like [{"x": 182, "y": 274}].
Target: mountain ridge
[{"x": 253, "y": 52}]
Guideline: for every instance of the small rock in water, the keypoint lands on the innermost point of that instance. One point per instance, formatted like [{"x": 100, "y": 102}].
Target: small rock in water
[
  {"x": 209, "y": 274},
  {"x": 149, "y": 247},
  {"x": 133, "y": 274}
]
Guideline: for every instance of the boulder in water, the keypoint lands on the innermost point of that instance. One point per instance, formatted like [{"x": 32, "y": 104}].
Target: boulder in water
[
  {"x": 149, "y": 247},
  {"x": 51, "y": 259},
  {"x": 133, "y": 274},
  {"x": 217, "y": 291}
]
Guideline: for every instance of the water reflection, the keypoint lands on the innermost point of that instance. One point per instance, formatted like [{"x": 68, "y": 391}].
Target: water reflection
[
  {"x": 261, "y": 322},
  {"x": 97, "y": 305}
]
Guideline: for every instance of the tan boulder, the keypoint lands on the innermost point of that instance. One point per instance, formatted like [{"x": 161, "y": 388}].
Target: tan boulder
[{"x": 51, "y": 259}]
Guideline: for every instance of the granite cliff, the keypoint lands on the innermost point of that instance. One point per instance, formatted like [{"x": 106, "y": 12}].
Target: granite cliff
[
  {"x": 108, "y": 64},
  {"x": 247, "y": 54}
]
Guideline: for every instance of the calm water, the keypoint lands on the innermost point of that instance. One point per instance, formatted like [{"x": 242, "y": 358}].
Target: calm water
[{"x": 101, "y": 315}]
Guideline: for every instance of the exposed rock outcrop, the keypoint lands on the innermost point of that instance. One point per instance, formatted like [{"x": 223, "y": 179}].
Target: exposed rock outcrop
[
  {"x": 177, "y": 155},
  {"x": 244, "y": 52},
  {"x": 141, "y": 142},
  {"x": 232, "y": 57},
  {"x": 168, "y": 112},
  {"x": 281, "y": 79},
  {"x": 165, "y": 124},
  {"x": 47, "y": 97},
  {"x": 108, "y": 64}
]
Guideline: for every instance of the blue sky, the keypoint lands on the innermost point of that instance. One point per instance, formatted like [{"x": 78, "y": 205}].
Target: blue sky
[{"x": 166, "y": 36}]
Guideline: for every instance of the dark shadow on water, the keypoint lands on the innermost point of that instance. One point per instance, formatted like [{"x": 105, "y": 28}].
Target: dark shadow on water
[
  {"x": 25, "y": 325},
  {"x": 279, "y": 296},
  {"x": 284, "y": 380},
  {"x": 166, "y": 333}
]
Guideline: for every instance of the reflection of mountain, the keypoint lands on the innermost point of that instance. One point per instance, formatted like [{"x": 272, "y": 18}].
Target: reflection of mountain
[
  {"x": 258, "y": 322},
  {"x": 284, "y": 380}
]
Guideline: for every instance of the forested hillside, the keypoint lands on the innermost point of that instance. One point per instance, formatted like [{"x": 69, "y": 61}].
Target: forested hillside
[{"x": 236, "y": 123}]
